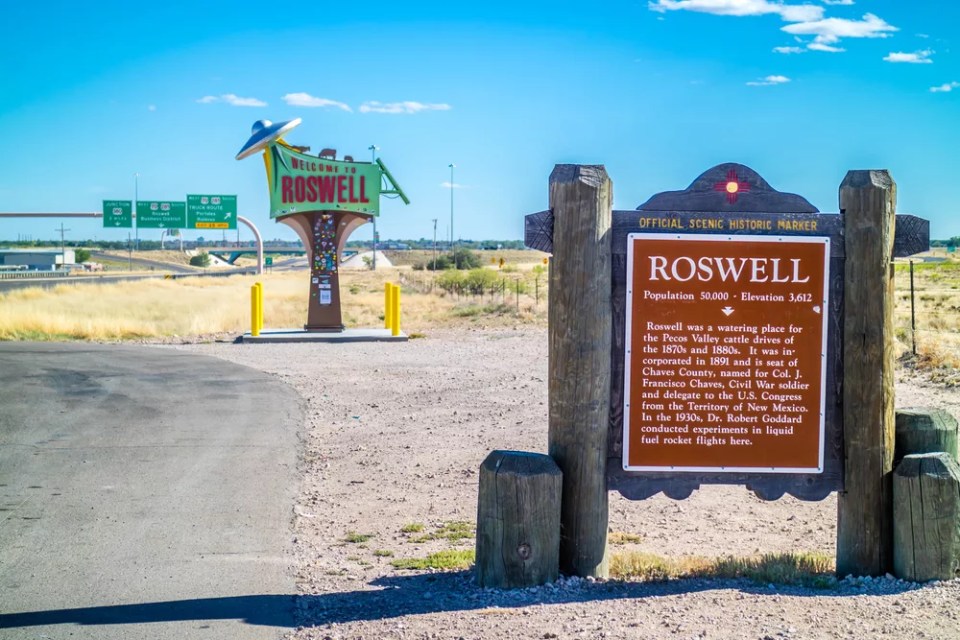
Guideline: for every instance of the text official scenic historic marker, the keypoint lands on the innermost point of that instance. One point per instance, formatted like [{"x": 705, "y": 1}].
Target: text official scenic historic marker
[{"x": 725, "y": 359}]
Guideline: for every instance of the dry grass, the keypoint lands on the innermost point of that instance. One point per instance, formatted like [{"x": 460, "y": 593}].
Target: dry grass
[
  {"x": 190, "y": 307},
  {"x": 806, "y": 568},
  {"x": 937, "y": 310}
]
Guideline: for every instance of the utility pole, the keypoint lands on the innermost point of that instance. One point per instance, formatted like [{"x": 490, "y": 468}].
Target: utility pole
[
  {"x": 434, "y": 244},
  {"x": 373, "y": 152},
  {"x": 452, "y": 167},
  {"x": 63, "y": 251}
]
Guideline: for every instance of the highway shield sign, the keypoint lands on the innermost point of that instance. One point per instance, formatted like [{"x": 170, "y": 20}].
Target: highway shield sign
[{"x": 211, "y": 212}]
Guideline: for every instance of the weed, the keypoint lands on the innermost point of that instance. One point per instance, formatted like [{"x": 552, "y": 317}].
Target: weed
[
  {"x": 383, "y": 553},
  {"x": 447, "y": 560},
  {"x": 804, "y": 568},
  {"x": 413, "y": 527},
  {"x": 356, "y": 538},
  {"x": 621, "y": 538}
]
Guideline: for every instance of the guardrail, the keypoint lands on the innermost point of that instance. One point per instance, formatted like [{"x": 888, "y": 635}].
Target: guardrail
[{"x": 18, "y": 275}]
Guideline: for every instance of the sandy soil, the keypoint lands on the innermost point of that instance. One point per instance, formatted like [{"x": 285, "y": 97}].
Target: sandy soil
[{"x": 394, "y": 435}]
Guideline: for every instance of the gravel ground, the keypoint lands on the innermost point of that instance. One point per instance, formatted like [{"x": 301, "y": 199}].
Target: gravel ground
[{"x": 394, "y": 435}]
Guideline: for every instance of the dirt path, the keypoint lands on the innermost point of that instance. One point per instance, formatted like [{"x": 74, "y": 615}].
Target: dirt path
[{"x": 394, "y": 437}]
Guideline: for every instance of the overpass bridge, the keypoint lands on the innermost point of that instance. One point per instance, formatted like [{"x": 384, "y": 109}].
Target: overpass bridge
[{"x": 230, "y": 256}]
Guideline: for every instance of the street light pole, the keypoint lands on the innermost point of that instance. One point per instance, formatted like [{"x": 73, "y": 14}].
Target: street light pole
[
  {"x": 452, "y": 167},
  {"x": 373, "y": 159},
  {"x": 434, "y": 245},
  {"x": 136, "y": 196}
]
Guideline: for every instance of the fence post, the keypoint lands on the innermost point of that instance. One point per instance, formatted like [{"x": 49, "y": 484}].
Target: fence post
[
  {"x": 865, "y": 507},
  {"x": 579, "y": 337}
]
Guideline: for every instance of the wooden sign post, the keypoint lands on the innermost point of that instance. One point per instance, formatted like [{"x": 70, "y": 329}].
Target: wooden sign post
[{"x": 725, "y": 336}]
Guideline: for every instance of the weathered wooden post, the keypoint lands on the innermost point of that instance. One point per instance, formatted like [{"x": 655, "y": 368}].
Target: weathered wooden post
[
  {"x": 864, "y": 528},
  {"x": 925, "y": 431},
  {"x": 579, "y": 365},
  {"x": 926, "y": 532},
  {"x": 518, "y": 520}
]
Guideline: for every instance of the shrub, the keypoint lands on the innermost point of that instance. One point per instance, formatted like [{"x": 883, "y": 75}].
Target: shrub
[
  {"x": 81, "y": 255},
  {"x": 466, "y": 259},
  {"x": 200, "y": 260},
  {"x": 450, "y": 281}
]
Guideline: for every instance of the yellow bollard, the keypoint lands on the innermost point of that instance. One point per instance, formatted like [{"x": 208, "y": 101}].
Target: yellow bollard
[
  {"x": 395, "y": 311},
  {"x": 254, "y": 312},
  {"x": 387, "y": 292},
  {"x": 259, "y": 287}
]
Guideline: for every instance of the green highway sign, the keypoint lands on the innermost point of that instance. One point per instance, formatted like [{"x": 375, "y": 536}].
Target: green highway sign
[
  {"x": 117, "y": 214},
  {"x": 154, "y": 214},
  {"x": 268, "y": 261},
  {"x": 211, "y": 212}
]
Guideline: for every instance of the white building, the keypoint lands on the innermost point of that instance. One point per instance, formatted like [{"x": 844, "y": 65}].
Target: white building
[{"x": 37, "y": 259}]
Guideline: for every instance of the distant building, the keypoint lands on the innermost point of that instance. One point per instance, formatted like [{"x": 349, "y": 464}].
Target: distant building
[{"x": 37, "y": 259}]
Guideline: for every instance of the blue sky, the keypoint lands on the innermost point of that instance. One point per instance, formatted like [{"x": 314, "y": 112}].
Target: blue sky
[{"x": 657, "y": 91}]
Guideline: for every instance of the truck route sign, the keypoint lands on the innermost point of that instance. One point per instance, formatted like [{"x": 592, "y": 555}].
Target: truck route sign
[{"x": 726, "y": 349}]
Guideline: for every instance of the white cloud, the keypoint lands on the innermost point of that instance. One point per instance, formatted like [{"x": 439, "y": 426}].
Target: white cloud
[
  {"x": 829, "y": 31},
  {"x": 233, "y": 100},
  {"x": 237, "y": 101},
  {"x": 740, "y": 8},
  {"x": 307, "y": 100},
  {"x": 788, "y": 50},
  {"x": 455, "y": 185},
  {"x": 917, "y": 57},
  {"x": 151, "y": 107},
  {"x": 946, "y": 88},
  {"x": 769, "y": 81},
  {"x": 409, "y": 106},
  {"x": 817, "y": 46},
  {"x": 840, "y": 2}
]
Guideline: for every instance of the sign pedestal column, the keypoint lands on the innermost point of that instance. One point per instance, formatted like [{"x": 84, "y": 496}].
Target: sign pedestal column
[{"x": 324, "y": 234}]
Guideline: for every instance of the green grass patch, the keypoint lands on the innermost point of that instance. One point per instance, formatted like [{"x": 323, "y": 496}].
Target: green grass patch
[
  {"x": 356, "y": 538},
  {"x": 809, "y": 569},
  {"x": 451, "y": 531},
  {"x": 383, "y": 553},
  {"x": 447, "y": 560},
  {"x": 413, "y": 527}
]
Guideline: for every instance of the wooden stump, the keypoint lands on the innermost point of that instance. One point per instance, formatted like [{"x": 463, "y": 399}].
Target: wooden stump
[
  {"x": 518, "y": 520},
  {"x": 925, "y": 431},
  {"x": 926, "y": 517}
]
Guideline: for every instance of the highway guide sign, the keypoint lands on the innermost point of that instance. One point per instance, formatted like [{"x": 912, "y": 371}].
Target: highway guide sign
[
  {"x": 117, "y": 214},
  {"x": 161, "y": 215},
  {"x": 726, "y": 350},
  {"x": 211, "y": 212}
]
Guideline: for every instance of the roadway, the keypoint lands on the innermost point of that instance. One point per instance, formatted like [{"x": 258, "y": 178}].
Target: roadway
[
  {"x": 170, "y": 267},
  {"x": 144, "y": 493}
]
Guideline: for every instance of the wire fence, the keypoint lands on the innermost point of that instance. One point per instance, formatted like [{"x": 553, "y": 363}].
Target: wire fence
[{"x": 927, "y": 313}]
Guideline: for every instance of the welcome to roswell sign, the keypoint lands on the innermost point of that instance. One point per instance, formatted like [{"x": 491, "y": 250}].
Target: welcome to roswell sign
[{"x": 299, "y": 182}]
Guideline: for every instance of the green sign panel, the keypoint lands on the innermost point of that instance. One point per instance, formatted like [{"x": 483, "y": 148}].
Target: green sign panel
[
  {"x": 161, "y": 215},
  {"x": 300, "y": 183},
  {"x": 211, "y": 212},
  {"x": 117, "y": 214},
  {"x": 268, "y": 261}
]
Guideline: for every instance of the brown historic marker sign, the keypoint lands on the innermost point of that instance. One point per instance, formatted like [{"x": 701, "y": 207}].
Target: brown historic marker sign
[
  {"x": 742, "y": 213},
  {"x": 726, "y": 351}
]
